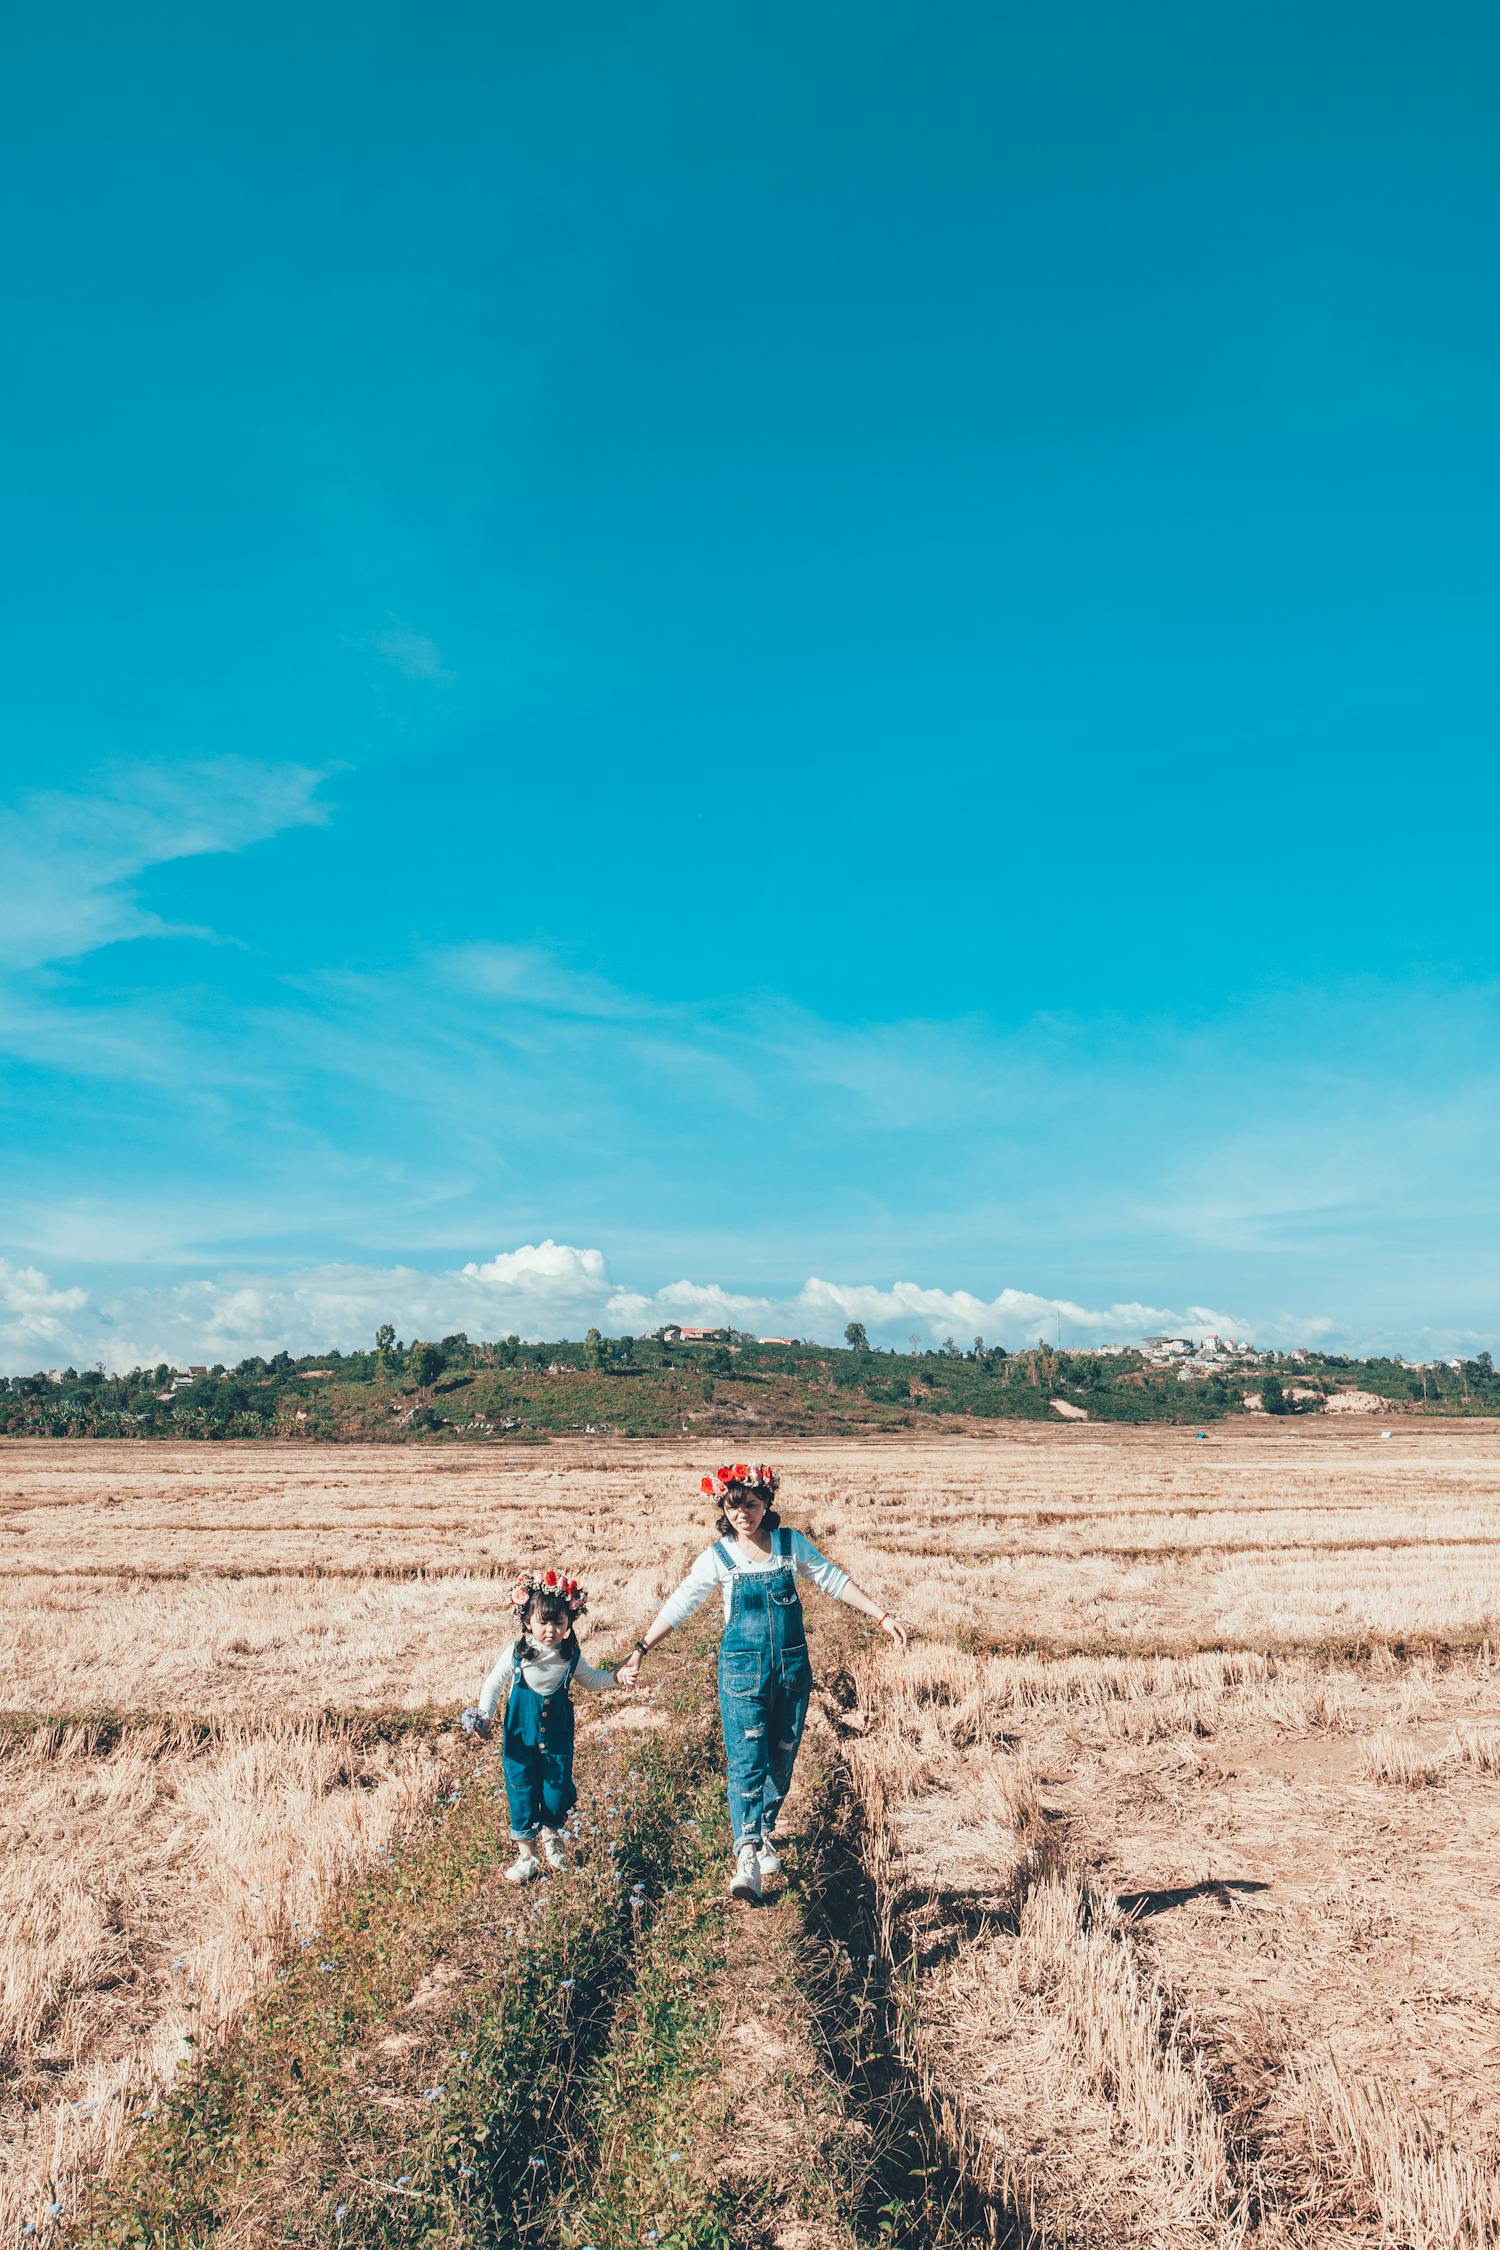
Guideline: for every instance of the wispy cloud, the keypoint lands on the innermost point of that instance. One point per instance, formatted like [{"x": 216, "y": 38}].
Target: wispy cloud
[
  {"x": 68, "y": 860},
  {"x": 1331, "y": 1150},
  {"x": 530, "y": 977},
  {"x": 414, "y": 656}
]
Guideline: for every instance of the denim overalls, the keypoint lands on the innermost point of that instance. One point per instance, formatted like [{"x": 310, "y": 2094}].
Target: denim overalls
[
  {"x": 765, "y": 1679},
  {"x": 538, "y": 1746}
]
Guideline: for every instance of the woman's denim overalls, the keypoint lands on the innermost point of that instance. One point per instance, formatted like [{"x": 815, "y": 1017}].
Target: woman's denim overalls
[
  {"x": 538, "y": 1747},
  {"x": 765, "y": 1679}
]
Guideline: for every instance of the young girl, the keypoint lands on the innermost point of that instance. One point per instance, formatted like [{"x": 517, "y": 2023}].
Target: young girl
[
  {"x": 765, "y": 1678},
  {"x": 539, "y": 1667}
]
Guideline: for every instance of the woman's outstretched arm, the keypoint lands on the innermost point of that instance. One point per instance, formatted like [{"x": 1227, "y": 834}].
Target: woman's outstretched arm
[
  {"x": 858, "y": 1599},
  {"x": 838, "y": 1583},
  {"x": 690, "y": 1595}
]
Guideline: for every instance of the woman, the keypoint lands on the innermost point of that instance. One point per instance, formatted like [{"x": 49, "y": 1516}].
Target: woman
[{"x": 765, "y": 1678}]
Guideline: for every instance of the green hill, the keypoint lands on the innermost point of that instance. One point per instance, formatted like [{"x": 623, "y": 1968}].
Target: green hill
[{"x": 509, "y": 1392}]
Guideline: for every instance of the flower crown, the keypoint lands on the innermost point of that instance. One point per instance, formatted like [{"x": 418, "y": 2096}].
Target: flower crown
[
  {"x": 759, "y": 1475},
  {"x": 536, "y": 1582}
]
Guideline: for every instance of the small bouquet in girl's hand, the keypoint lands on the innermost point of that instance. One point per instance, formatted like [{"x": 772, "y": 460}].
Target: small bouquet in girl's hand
[{"x": 474, "y": 1722}]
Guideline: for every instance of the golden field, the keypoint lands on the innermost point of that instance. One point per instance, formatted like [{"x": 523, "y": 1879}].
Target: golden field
[{"x": 1182, "y": 1808}]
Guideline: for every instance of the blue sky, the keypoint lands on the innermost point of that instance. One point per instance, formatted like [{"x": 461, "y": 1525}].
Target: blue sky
[{"x": 839, "y": 660}]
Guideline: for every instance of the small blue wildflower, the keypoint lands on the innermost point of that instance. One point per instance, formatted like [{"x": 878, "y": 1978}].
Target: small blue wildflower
[{"x": 342, "y": 2212}]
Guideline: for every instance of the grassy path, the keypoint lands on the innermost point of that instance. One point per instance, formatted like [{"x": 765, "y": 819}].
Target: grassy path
[{"x": 413, "y": 2053}]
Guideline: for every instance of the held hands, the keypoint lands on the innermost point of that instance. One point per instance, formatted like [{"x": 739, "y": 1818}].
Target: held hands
[{"x": 625, "y": 1674}]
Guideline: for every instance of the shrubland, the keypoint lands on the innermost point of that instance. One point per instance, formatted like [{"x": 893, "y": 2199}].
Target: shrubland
[{"x": 509, "y": 1391}]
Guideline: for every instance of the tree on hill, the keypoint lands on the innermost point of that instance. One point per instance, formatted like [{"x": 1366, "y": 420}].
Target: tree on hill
[
  {"x": 855, "y": 1336},
  {"x": 593, "y": 1349},
  {"x": 424, "y": 1364},
  {"x": 1272, "y": 1397}
]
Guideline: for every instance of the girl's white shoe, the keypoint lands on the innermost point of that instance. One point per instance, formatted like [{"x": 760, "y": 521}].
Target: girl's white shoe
[
  {"x": 768, "y": 1858},
  {"x": 552, "y": 1845},
  {"x": 525, "y": 1867},
  {"x": 745, "y": 1881}
]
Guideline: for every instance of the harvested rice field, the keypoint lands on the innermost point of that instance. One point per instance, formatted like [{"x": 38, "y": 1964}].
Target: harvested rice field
[{"x": 1150, "y": 1897}]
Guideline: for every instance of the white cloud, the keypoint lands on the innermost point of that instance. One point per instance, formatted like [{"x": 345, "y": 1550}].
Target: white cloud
[
  {"x": 550, "y": 1272},
  {"x": 539, "y": 1290},
  {"x": 67, "y": 861},
  {"x": 37, "y": 1319},
  {"x": 1014, "y": 1316}
]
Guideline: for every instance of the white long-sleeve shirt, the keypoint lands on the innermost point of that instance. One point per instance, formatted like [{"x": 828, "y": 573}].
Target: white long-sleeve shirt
[
  {"x": 543, "y": 1672},
  {"x": 710, "y": 1570}
]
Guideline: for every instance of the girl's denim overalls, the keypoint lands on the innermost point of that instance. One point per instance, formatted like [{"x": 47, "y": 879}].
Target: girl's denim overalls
[
  {"x": 765, "y": 1679},
  {"x": 538, "y": 1754}
]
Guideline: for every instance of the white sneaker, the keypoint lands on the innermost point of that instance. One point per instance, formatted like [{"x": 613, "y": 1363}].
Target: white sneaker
[
  {"x": 552, "y": 1846},
  {"x": 768, "y": 1857},
  {"x": 745, "y": 1881},
  {"x": 525, "y": 1867}
]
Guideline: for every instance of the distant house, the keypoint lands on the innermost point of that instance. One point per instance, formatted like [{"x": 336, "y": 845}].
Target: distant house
[
  {"x": 318, "y": 1374},
  {"x": 776, "y": 1339},
  {"x": 699, "y": 1335},
  {"x": 195, "y": 1372}
]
